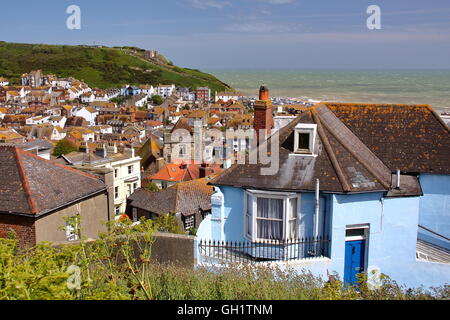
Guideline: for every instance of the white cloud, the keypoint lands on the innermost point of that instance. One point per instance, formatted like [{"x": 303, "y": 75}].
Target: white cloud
[
  {"x": 203, "y": 4},
  {"x": 277, "y": 1},
  {"x": 260, "y": 27}
]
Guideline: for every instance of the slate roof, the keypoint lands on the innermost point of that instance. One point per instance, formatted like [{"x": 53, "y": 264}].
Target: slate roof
[
  {"x": 359, "y": 148},
  {"x": 183, "y": 123},
  {"x": 412, "y": 138},
  {"x": 32, "y": 186},
  {"x": 185, "y": 197}
]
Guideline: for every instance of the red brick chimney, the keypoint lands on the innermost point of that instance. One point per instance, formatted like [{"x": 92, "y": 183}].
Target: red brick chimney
[
  {"x": 264, "y": 94},
  {"x": 205, "y": 170},
  {"x": 263, "y": 112}
]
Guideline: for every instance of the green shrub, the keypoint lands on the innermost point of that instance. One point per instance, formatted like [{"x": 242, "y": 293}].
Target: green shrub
[{"x": 119, "y": 266}]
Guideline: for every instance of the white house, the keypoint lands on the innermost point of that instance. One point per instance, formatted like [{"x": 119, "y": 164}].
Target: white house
[
  {"x": 37, "y": 120},
  {"x": 87, "y": 97},
  {"x": 165, "y": 91},
  {"x": 88, "y": 113},
  {"x": 4, "y": 82},
  {"x": 58, "y": 133},
  {"x": 226, "y": 96},
  {"x": 58, "y": 121},
  {"x": 148, "y": 90}
]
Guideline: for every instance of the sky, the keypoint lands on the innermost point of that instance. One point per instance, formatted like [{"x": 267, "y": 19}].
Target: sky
[{"x": 249, "y": 34}]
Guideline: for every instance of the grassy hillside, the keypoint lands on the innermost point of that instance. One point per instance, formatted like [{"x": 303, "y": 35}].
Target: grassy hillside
[{"x": 98, "y": 67}]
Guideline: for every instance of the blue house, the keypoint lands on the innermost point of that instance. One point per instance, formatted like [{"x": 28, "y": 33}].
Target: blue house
[
  {"x": 360, "y": 188},
  {"x": 131, "y": 91}
]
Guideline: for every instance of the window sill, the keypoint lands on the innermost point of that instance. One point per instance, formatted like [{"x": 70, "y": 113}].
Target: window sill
[{"x": 301, "y": 154}]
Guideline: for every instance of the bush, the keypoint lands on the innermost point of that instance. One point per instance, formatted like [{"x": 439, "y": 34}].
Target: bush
[
  {"x": 64, "y": 147},
  {"x": 152, "y": 187},
  {"x": 157, "y": 100},
  {"x": 119, "y": 266}
]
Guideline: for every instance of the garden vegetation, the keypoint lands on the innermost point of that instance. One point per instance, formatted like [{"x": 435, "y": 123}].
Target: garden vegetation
[{"x": 119, "y": 266}]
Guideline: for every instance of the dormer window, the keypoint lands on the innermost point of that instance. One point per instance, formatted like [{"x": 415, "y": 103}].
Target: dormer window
[{"x": 304, "y": 140}]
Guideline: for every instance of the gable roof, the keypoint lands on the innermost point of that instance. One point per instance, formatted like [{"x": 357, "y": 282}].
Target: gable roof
[
  {"x": 355, "y": 158},
  {"x": 33, "y": 186}
]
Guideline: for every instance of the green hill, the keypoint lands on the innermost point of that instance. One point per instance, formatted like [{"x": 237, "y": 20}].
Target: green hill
[{"x": 100, "y": 67}]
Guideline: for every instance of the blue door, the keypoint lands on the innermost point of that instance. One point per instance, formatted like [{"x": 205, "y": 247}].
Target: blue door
[{"x": 354, "y": 260}]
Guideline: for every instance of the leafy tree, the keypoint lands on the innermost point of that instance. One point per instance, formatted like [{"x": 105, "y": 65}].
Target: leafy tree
[
  {"x": 152, "y": 187},
  {"x": 157, "y": 100},
  {"x": 64, "y": 147},
  {"x": 168, "y": 223}
]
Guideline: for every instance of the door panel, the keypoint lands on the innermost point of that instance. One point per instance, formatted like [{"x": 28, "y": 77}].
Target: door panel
[{"x": 354, "y": 260}]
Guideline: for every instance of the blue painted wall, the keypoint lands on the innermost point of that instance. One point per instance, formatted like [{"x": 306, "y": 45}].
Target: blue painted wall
[
  {"x": 393, "y": 229},
  {"x": 435, "y": 208}
]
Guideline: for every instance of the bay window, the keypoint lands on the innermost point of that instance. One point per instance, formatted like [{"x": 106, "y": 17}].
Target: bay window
[{"x": 271, "y": 216}]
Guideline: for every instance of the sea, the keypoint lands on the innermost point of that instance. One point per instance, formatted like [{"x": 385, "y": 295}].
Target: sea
[{"x": 375, "y": 86}]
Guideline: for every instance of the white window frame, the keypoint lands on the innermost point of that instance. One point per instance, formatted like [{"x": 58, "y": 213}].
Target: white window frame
[
  {"x": 365, "y": 236},
  {"x": 189, "y": 222},
  {"x": 132, "y": 169},
  {"x": 305, "y": 128},
  {"x": 71, "y": 232},
  {"x": 253, "y": 195}
]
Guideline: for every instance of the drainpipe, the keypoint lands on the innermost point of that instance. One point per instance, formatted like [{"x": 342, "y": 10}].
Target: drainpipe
[
  {"x": 316, "y": 222},
  {"x": 398, "y": 179}
]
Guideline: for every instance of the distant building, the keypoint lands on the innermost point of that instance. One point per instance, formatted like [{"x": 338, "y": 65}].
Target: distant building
[
  {"x": 190, "y": 202},
  {"x": 4, "y": 82},
  {"x": 203, "y": 94},
  {"x": 227, "y": 96},
  {"x": 165, "y": 91},
  {"x": 125, "y": 165}
]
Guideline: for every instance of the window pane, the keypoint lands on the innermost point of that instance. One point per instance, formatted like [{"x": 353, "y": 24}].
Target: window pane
[
  {"x": 355, "y": 232},
  {"x": 293, "y": 208},
  {"x": 303, "y": 141},
  {"x": 270, "y": 208},
  {"x": 271, "y": 230},
  {"x": 249, "y": 204},
  {"x": 292, "y": 229}
]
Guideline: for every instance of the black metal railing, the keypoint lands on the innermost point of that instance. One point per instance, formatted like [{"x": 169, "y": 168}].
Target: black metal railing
[{"x": 270, "y": 250}]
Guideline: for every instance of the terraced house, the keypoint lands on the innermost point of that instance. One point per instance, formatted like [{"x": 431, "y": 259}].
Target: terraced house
[{"x": 360, "y": 188}]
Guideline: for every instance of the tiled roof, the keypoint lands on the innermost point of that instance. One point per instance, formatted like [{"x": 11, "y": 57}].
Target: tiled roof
[
  {"x": 358, "y": 149},
  {"x": 31, "y": 185},
  {"x": 185, "y": 197},
  {"x": 412, "y": 138},
  {"x": 183, "y": 123}
]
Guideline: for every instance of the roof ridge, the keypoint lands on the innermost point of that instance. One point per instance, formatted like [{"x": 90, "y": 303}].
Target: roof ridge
[
  {"x": 26, "y": 185},
  {"x": 88, "y": 175},
  {"x": 434, "y": 113},
  {"x": 334, "y": 162},
  {"x": 377, "y": 174}
]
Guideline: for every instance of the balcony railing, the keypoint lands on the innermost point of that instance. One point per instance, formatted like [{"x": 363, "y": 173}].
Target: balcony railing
[{"x": 246, "y": 251}]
